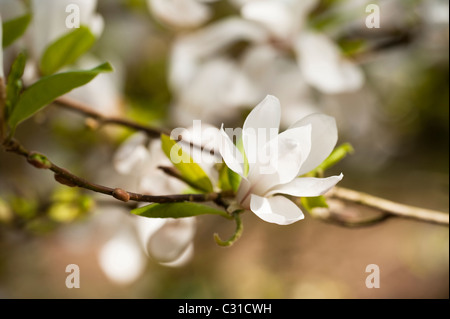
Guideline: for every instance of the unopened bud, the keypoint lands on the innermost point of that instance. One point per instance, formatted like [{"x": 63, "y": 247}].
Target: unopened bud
[
  {"x": 121, "y": 194},
  {"x": 39, "y": 161},
  {"x": 64, "y": 180},
  {"x": 91, "y": 123}
]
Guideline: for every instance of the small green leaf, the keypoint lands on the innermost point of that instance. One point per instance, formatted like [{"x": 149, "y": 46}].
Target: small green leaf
[
  {"x": 177, "y": 210},
  {"x": 66, "y": 50},
  {"x": 224, "y": 183},
  {"x": 14, "y": 84},
  {"x": 188, "y": 169},
  {"x": 228, "y": 180},
  {"x": 48, "y": 88},
  {"x": 14, "y": 28},
  {"x": 234, "y": 179},
  {"x": 335, "y": 157},
  {"x": 312, "y": 202}
]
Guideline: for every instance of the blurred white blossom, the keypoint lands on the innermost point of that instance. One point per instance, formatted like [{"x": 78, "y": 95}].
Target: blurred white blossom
[
  {"x": 276, "y": 53},
  {"x": 49, "y": 21},
  {"x": 181, "y": 13},
  {"x": 121, "y": 259},
  {"x": 292, "y": 153},
  {"x": 320, "y": 60},
  {"x": 167, "y": 240}
]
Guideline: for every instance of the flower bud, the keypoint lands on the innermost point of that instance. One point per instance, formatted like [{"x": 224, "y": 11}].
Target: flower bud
[
  {"x": 64, "y": 180},
  {"x": 39, "y": 161},
  {"x": 121, "y": 194}
]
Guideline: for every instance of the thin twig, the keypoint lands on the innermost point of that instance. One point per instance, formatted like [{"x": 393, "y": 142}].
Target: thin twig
[
  {"x": 390, "y": 207},
  {"x": 85, "y": 110},
  {"x": 63, "y": 176},
  {"x": 151, "y": 132}
]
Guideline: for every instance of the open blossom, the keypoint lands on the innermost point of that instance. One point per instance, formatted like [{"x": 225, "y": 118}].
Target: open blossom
[
  {"x": 277, "y": 160},
  {"x": 209, "y": 83}
]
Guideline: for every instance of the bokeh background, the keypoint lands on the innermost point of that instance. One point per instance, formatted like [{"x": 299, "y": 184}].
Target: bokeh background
[{"x": 397, "y": 121}]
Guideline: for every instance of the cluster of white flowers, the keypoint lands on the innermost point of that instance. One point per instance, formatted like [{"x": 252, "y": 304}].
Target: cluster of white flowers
[
  {"x": 281, "y": 55},
  {"x": 291, "y": 153}
]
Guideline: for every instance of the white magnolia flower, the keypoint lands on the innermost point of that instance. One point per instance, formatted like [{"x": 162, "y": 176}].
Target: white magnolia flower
[{"x": 291, "y": 154}]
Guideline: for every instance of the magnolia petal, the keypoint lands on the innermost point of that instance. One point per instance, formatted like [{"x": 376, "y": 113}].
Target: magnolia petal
[
  {"x": 230, "y": 154},
  {"x": 132, "y": 155},
  {"x": 189, "y": 52},
  {"x": 49, "y": 21},
  {"x": 276, "y": 16},
  {"x": 183, "y": 259},
  {"x": 243, "y": 192},
  {"x": 260, "y": 126},
  {"x": 228, "y": 90},
  {"x": 323, "y": 66},
  {"x": 324, "y": 136},
  {"x": 180, "y": 13},
  {"x": 171, "y": 240},
  {"x": 307, "y": 186},
  {"x": 294, "y": 146},
  {"x": 285, "y": 155},
  {"x": 277, "y": 209}
]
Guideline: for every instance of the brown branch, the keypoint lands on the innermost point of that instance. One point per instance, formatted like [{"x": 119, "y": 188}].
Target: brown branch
[
  {"x": 85, "y": 110},
  {"x": 390, "y": 207},
  {"x": 152, "y": 132},
  {"x": 63, "y": 176}
]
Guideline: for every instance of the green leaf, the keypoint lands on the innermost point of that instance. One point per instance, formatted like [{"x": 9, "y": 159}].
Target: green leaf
[
  {"x": 312, "y": 202},
  {"x": 14, "y": 84},
  {"x": 188, "y": 169},
  {"x": 177, "y": 210},
  {"x": 335, "y": 157},
  {"x": 224, "y": 183},
  {"x": 14, "y": 28},
  {"x": 66, "y": 50},
  {"x": 234, "y": 179},
  {"x": 228, "y": 180},
  {"x": 48, "y": 88}
]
